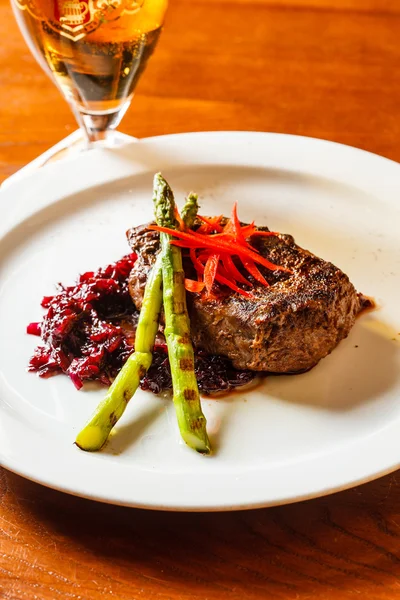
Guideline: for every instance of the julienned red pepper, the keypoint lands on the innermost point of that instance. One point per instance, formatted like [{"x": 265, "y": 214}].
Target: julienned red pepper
[
  {"x": 233, "y": 271},
  {"x": 219, "y": 277},
  {"x": 251, "y": 267},
  {"x": 237, "y": 227},
  {"x": 194, "y": 240},
  {"x": 232, "y": 285},
  {"x": 210, "y": 271},
  {"x": 194, "y": 286},
  {"x": 197, "y": 264},
  {"x": 218, "y": 244},
  {"x": 212, "y": 224}
]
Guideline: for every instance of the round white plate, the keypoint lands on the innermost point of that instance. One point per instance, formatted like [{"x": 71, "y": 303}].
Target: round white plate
[{"x": 288, "y": 439}]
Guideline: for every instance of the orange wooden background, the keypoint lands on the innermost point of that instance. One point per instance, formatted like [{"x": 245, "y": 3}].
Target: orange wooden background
[{"x": 324, "y": 68}]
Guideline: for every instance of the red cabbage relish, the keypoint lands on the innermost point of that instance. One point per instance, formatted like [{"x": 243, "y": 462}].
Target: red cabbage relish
[{"x": 88, "y": 332}]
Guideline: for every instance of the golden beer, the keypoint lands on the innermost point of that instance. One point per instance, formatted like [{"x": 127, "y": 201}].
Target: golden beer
[{"x": 95, "y": 49}]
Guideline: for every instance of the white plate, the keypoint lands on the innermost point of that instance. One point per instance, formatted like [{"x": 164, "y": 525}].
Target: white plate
[{"x": 290, "y": 438}]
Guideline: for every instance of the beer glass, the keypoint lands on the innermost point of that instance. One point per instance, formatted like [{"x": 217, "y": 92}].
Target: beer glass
[{"x": 95, "y": 51}]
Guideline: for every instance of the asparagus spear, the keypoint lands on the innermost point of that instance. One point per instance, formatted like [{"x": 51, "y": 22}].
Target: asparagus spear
[
  {"x": 95, "y": 433},
  {"x": 191, "y": 421}
]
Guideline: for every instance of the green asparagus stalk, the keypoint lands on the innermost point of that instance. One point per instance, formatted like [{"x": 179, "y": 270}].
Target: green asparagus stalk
[
  {"x": 191, "y": 421},
  {"x": 95, "y": 433}
]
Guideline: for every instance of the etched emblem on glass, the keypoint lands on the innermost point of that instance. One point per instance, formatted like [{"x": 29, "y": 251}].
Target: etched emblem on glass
[{"x": 74, "y": 19}]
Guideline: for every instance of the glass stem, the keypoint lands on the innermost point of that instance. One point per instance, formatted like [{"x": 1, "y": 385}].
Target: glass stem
[{"x": 98, "y": 128}]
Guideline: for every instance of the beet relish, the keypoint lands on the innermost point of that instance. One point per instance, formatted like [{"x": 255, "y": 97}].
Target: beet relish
[
  {"x": 81, "y": 332},
  {"x": 88, "y": 333}
]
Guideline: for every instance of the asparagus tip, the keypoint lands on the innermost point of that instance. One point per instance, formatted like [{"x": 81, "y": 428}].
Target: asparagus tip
[{"x": 158, "y": 178}]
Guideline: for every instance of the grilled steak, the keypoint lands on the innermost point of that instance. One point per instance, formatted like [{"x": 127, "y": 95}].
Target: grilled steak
[{"x": 285, "y": 328}]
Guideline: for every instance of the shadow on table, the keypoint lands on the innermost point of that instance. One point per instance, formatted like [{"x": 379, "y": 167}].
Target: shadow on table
[{"x": 345, "y": 543}]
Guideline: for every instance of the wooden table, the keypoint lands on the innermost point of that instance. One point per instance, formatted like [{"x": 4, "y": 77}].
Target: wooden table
[{"x": 325, "y": 68}]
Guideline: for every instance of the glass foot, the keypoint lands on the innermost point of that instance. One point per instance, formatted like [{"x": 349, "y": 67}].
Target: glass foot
[
  {"x": 77, "y": 142},
  {"x": 70, "y": 146}
]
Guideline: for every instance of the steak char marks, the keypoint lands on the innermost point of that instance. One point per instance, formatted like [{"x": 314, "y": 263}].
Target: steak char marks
[{"x": 285, "y": 328}]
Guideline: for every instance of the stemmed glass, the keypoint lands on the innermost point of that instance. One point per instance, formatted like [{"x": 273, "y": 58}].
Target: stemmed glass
[{"x": 95, "y": 51}]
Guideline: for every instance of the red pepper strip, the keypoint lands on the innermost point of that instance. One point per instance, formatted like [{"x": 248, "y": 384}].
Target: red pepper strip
[
  {"x": 248, "y": 230},
  {"x": 231, "y": 285},
  {"x": 220, "y": 271},
  {"x": 210, "y": 220},
  {"x": 233, "y": 240},
  {"x": 233, "y": 271},
  {"x": 237, "y": 228},
  {"x": 220, "y": 278},
  {"x": 192, "y": 243},
  {"x": 238, "y": 250},
  {"x": 197, "y": 264},
  {"x": 224, "y": 273},
  {"x": 213, "y": 222},
  {"x": 194, "y": 286},
  {"x": 227, "y": 237},
  {"x": 228, "y": 229},
  {"x": 252, "y": 269},
  {"x": 200, "y": 241},
  {"x": 210, "y": 271},
  {"x": 178, "y": 217},
  {"x": 218, "y": 220},
  {"x": 204, "y": 229}
]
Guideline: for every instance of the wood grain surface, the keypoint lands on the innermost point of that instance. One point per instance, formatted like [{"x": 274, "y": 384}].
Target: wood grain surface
[{"x": 324, "y": 68}]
